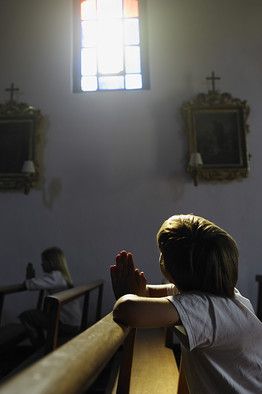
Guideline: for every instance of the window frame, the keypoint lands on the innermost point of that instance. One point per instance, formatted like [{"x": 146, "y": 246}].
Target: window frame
[{"x": 77, "y": 50}]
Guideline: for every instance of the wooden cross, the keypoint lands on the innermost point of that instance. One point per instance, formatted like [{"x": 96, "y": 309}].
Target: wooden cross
[
  {"x": 12, "y": 89},
  {"x": 213, "y": 78}
]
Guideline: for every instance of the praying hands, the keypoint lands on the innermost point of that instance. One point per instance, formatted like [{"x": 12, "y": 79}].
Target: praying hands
[{"x": 126, "y": 279}]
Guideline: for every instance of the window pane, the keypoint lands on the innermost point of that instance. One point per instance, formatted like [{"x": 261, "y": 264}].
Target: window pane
[
  {"x": 110, "y": 31},
  {"x": 131, "y": 31},
  {"x": 131, "y": 8},
  {"x": 110, "y": 47},
  {"x": 89, "y": 83},
  {"x": 109, "y": 8},
  {"x": 110, "y": 60},
  {"x": 88, "y": 9},
  {"x": 111, "y": 82},
  {"x": 89, "y": 61},
  {"x": 133, "y": 81},
  {"x": 89, "y": 33},
  {"x": 132, "y": 59}
]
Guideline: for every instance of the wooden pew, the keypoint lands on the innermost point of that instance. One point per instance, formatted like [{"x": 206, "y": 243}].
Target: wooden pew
[
  {"x": 54, "y": 302},
  {"x": 52, "y": 305},
  {"x": 13, "y": 333},
  {"x": 154, "y": 368},
  {"x": 259, "y": 297},
  {"x": 73, "y": 367}
]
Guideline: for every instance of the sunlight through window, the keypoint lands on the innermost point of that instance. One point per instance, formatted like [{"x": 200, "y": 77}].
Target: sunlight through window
[{"x": 110, "y": 45}]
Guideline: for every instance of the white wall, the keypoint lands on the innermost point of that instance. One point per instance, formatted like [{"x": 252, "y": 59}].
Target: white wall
[{"x": 114, "y": 162}]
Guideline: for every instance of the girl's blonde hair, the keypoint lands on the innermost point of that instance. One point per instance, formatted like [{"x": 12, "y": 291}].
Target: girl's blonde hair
[{"x": 55, "y": 260}]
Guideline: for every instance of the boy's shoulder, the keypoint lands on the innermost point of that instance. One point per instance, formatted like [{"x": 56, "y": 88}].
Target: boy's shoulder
[
  {"x": 208, "y": 318},
  {"x": 201, "y": 297},
  {"x": 200, "y": 301},
  {"x": 243, "y": 300}
]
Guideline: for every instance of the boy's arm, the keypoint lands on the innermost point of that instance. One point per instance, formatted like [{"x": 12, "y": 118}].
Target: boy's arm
[
  {"x": 144, "y": 312},
  {"x": 161, "y": 290}
]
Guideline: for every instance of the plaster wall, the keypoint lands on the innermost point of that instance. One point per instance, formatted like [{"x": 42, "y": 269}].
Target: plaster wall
[{"x": 114, "y": 162}]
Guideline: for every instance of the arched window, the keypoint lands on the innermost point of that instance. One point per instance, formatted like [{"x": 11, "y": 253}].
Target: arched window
[{"x": 109, "y": 45}]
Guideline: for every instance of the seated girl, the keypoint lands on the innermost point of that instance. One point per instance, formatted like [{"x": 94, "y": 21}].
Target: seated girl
[{"x": 56, "y": 278}]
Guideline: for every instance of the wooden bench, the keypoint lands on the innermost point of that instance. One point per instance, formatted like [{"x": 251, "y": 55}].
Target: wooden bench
[
  {"x": 154, "y": 368},
  {"x": 259, "y": 297},
  {"x": 53, "y": 304},
  {"x": 13, "y": 333},
  {"x": 73, "y": 367}
]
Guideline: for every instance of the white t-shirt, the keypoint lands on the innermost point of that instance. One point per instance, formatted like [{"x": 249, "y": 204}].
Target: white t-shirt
[
  {"x": 221, "y": 343},
  {"x": 54, "y": 282}
]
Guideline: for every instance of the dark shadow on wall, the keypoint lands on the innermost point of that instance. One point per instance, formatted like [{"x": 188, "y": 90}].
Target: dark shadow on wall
[
  {"x": 51, "y": 192},
  {"x": 171, "y": 142}
]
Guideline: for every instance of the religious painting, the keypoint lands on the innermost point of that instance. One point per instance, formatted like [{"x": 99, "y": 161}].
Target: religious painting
[
  {"x": 19, "y": 136},
  {"x": 216, "y": 125},
  {"x": 218, "y": 137},
  {"x": 15, "y": 133}
]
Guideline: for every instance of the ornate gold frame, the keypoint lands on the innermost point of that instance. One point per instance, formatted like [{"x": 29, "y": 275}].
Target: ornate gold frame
[
  {"x": 216, "y": 123},
  {"x": 19, "y": 138}
]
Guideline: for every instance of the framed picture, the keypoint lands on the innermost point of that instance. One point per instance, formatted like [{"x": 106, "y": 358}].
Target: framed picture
[
  {"x": 19, "y": 135},
  {"x": 216, "y": 125}
]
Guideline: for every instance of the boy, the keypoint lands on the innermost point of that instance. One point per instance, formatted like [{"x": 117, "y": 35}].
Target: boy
[{"x": 221, "y": 338}]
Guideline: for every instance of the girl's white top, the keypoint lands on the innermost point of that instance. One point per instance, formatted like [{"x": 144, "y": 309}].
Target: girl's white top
[{"x": 53, "y": 282}]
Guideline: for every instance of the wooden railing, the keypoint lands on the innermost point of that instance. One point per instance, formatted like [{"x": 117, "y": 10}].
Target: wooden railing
[
  {"x": 73, "y": 367},
  {"x": 4, "y": 290},
  {"x": 13, "y": 333},
  {"x": 154, "y": 369},
  {"x": 54, "y": 302}
]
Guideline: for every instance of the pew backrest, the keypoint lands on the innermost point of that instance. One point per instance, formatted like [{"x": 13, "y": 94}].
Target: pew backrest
[
  {"x": 10, "y": 289},
  {"x": 73, "y": 367},
  {"x": 13, "y": 333},
  {"x": 53, "y": 304}
]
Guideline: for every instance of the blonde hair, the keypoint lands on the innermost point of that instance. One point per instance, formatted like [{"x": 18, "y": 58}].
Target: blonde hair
[
  {"x": 198, "y": 255},
  {"x": 55, "y": 260}
]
